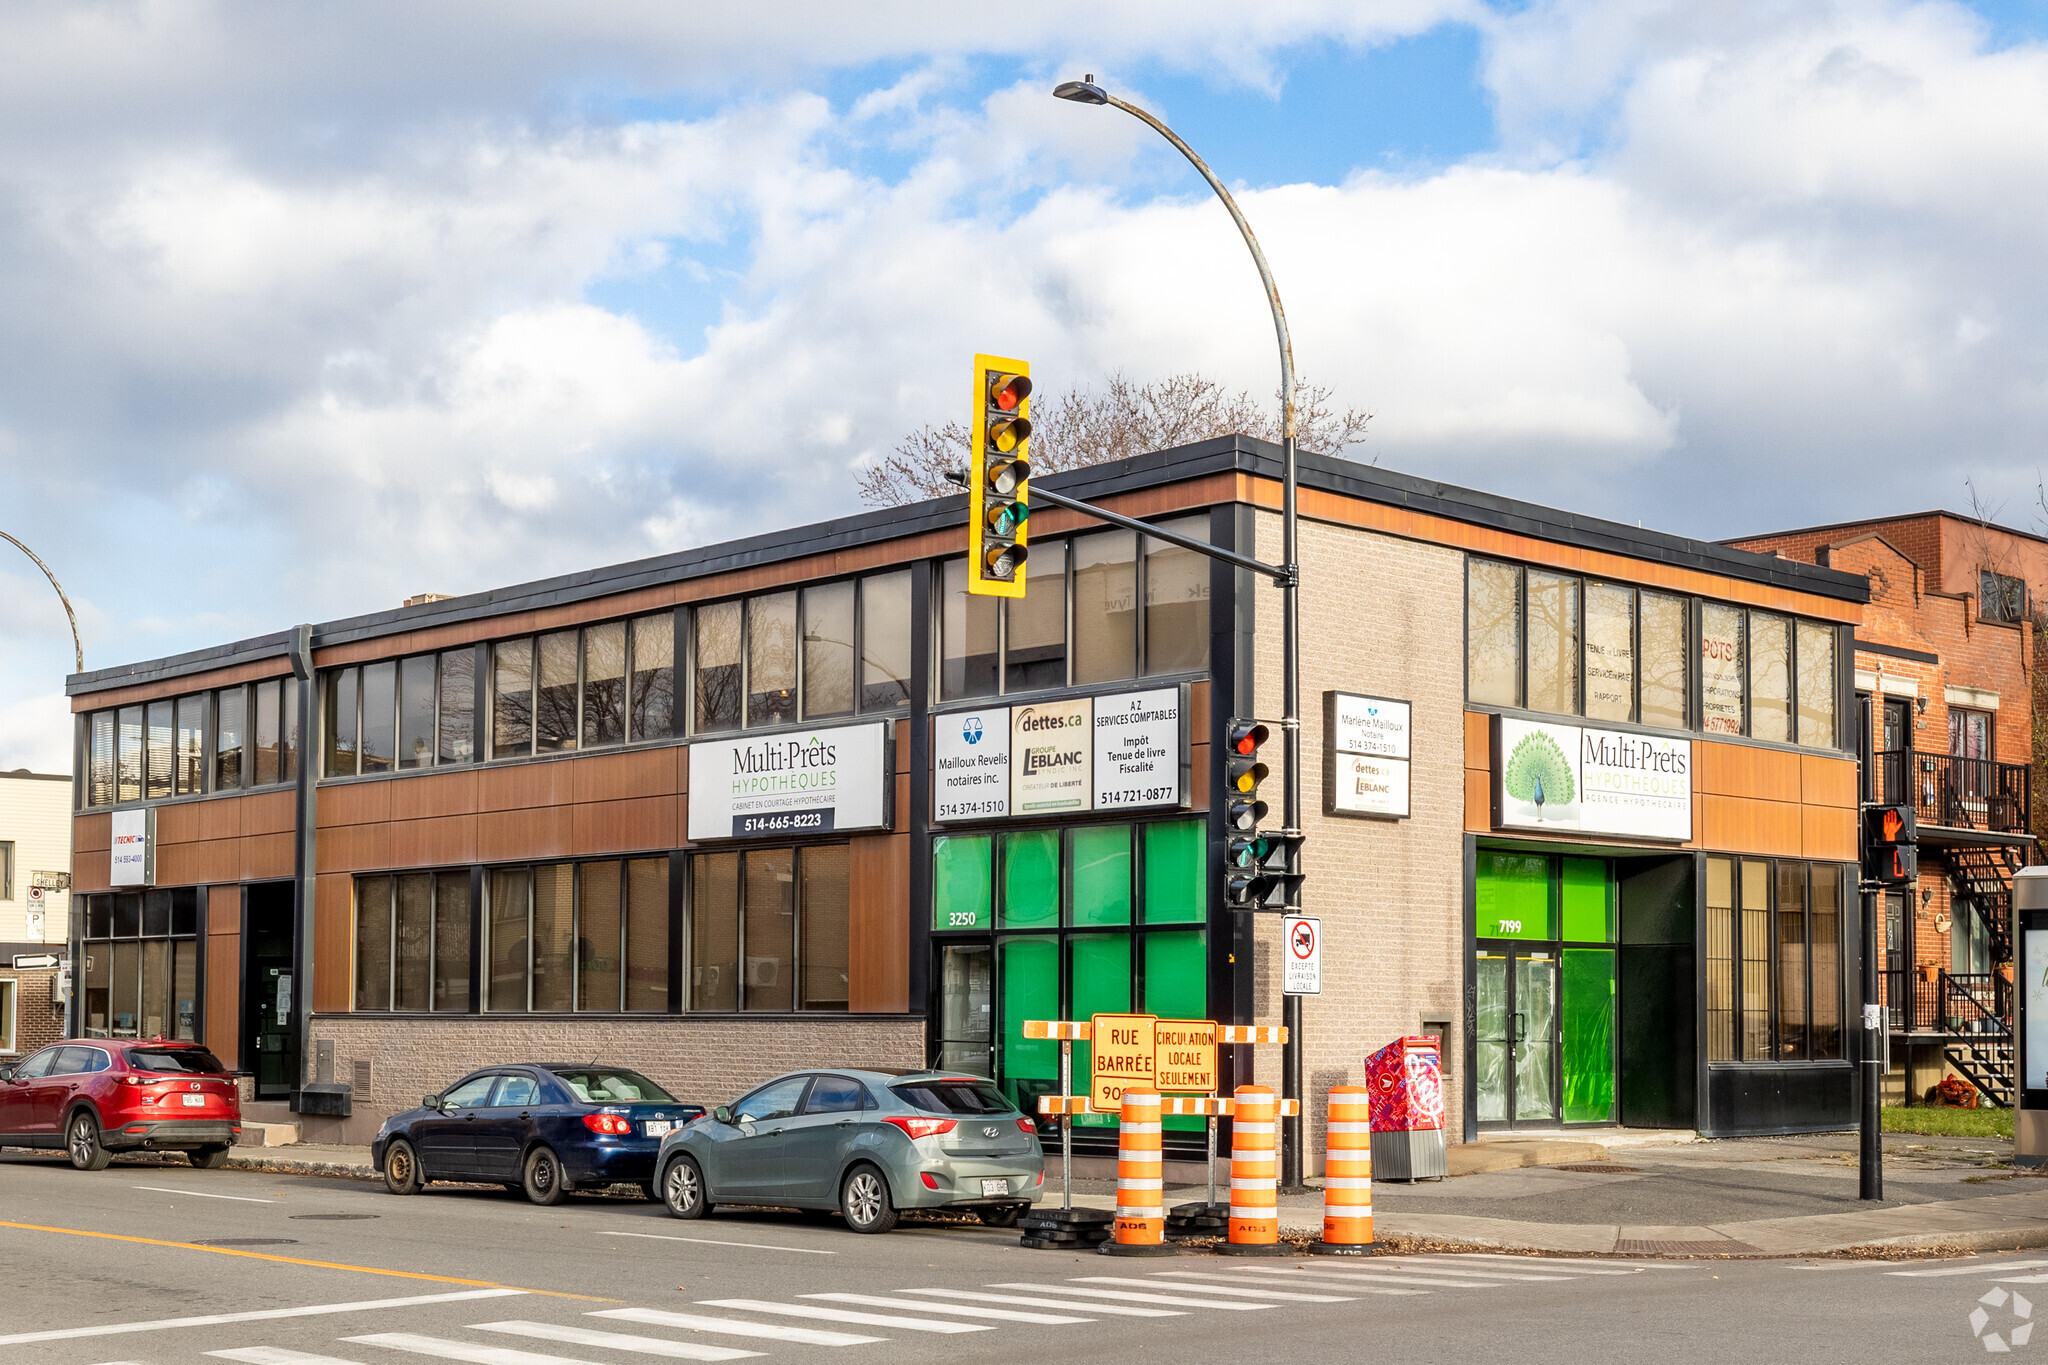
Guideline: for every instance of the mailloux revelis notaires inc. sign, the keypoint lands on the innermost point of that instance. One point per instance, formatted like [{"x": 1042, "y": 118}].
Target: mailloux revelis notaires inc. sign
[
  {"x": 796, "y": 782},
  {"x": 1587, "y": 780}
]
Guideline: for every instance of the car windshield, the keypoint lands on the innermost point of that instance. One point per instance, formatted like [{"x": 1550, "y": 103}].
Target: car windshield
[
  {"x": 196, "y": 1060},
  {"x": 604, "y": 1085},
  {"x": 961, "y": 1096}
]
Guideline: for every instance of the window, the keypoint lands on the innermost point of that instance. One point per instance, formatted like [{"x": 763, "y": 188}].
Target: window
[
  {"x": 967, "y": 633},
  {"x": 885, "y": 641},
  {"x": 768, "y": 929},
  {"x": 1775, "y": 965},
  {"x": 2001, "y": 597},
  {"x": 197, "y": 743},
  {"x": 140, "y": 973},
  {"x": 270, "y": 753},
  {"x": 590, "y": 937},
  {"x": 416, "y": 698},
  {"x": 1105, "y": 606},
  {"x": 189, "y": 777},
  {"x": 157, "y": 755},
  {"x": 823, "y": 651},
  {"x": 604, "y": 685},
  {"x": 129, "y": 781},
  {"x": 6, "y": 871},
  {"x": 1666, "y": 661},
  {"x": 1610, "y": 652},
  {"x": 378, "y": 739},
  {"x": 1035, "y": 652},
  {"x": 99, "y": 789},
  {"x": 1493, "y": 633},
  {"x": 1770, "y": 677},
  {"x": 721, "y": 631},
  {"x": 8, "y": 1042},
  {"x": 1176, "y": 601},
  {"x": 1816, "y": 685},
  {"x": 512, "y": 698},
  {"x": 555, "y": 695},
  {"x": 771, "y": 659},
  {"x": 652, "y": 713},
  {"x": 828, "y": 650},
  {"x": 1722, "y": 669},
  {"x": 456, "y": 721},
  {"x": 1553, "y": 668},
  {"x": 412, "y": 942},
  {"x": 338, "y": 723}
]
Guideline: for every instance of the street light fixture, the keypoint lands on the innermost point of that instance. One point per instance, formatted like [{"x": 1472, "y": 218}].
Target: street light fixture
[
  {"x": 77, "y": 648},
  {"x": 1086, "y": 91}
]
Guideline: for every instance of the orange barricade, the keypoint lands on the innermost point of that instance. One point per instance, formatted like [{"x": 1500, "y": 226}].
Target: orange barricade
[
  {"x": 1347, "y": 1174},
  {"x": 1140, "y": 1180},
  {"x": 1254, "y": 1174}
]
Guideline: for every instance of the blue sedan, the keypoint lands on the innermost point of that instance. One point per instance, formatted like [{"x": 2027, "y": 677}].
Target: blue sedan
[{"x": 544, "y": 1129}]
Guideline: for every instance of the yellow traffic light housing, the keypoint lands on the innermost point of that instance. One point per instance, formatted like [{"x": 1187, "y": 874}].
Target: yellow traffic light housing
[{"x": 998, "y": 486}]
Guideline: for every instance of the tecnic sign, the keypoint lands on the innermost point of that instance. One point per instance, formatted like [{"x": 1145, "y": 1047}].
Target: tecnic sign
[
  {"x": 133, "y": 861},
  {"x": 1577, "y": 779},
  {"x": 795, "y": 782}
]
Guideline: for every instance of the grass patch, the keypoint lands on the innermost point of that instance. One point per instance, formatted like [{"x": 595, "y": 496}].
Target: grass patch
[{"x": 1984, "y": 1123}]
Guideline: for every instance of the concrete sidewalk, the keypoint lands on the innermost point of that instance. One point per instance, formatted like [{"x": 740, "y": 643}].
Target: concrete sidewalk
[{"x": 1635, "y": 1195}]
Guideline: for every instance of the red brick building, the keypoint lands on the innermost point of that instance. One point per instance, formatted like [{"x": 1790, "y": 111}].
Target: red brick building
[{"x": 1946, "y": 690}]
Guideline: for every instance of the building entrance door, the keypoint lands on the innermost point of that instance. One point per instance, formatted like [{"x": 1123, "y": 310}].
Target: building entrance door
[
  {"x": 270, "y": 1044},
  {"x": 1517, "y": 1034}
]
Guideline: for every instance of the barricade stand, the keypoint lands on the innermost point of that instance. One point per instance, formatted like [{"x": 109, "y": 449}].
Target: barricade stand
[
  {"x": 1210, "y": 1218},
  {"x": 1140, "y": 1181},
  {"x": 1068, "y": 1227},
  {"x": 1255, "y": 1175},
  {"x": 1347, "y": 1175}
]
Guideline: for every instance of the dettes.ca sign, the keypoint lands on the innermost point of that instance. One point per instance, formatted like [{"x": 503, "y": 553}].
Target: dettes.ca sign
[
  {"x": 802, "y": 782},
  {"x": 1576, "y": 779}
]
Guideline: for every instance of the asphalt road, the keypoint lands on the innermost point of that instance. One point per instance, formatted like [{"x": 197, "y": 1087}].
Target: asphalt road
[{"x": 309, "y": 1271}]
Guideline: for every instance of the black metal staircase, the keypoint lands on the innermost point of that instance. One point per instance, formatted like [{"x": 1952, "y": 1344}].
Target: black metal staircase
[{"x": 1976, "y": 1013}]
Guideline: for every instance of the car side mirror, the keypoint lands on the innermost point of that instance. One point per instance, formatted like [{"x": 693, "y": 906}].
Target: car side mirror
[
  {"x": 7, "y": 1071},
  {"x": 722, "y": 1115},
  {"x": 430, "y": 1102}
]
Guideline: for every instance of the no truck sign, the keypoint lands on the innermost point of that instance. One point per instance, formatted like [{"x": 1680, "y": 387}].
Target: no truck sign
[{"x": 1302, "y": 939}]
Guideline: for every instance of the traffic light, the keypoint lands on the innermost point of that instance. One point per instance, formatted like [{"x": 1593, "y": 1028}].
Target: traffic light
[
  {"x": 999, "y": 489},
  {"x": 1260, "y": 872},
  {"x": 1890, "y": 855},
  {"x": 1242, "y": 773}
]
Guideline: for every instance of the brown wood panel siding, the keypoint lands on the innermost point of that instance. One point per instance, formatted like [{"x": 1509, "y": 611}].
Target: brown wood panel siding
[
  {"x": 220, "y": 818},
  {"x": 333, "y": 943},
  {"x": 274, "y": 812},
  {"x": 878, "y": 924},
  {"x": 267, "y": 857},
  {"x": 356, "y": 803},
  {"x": 445, "y": 842},
  {"x": 428, "y": 795},
  {"x": 1828, "y": 834},
  {"x": 517, "y": 835},
  {"x": 1827, "y": 781},
  {"x": 92, "y": 833},
  {"x": 190, "y": 864},
  {"x": 1478, "y": 801},
  {"x": 637, "y": 826},
  {"x": 223, "y": 1026},
  {"x": 1400, "y": 521},
  {"x": 1198, "y": 776},
  {"x": 1478, "y": 740},
  {"x": 622, "y": 775},
  {"x": 91, "y": 871},
  {"x": 1744, "y": 770},
  {"x": 276, "y": 667},
  {"x": 1198, "y": 712},
  {"x": 350, "y": 848},
  {"x": 521, "y": 786},
  {"x": 1738, "y": 825}
]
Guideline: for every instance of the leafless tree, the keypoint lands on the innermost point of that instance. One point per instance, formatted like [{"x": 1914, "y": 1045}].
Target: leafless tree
[{"x": 1124, "y": 417}]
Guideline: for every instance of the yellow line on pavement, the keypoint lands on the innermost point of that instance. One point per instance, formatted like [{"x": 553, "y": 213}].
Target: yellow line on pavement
[{"x": 294, "y": 1260}]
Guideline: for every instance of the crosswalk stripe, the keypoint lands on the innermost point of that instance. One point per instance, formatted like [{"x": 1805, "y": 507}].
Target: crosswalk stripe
[
  {"x": 1477, "y": 1273},
  {"x": 809, "y": 1310},
  {"x": 1364, "y": 1277},
  {"x": 1125, "y": 1296},
  {"x": 110, "y": 1329},
  {"x": 614, "y": 1341},
  {"x": 275, "y": 1355},
  {"x": 1979, "y": 1269},
  {"x": 999, "y": 1314},
  {"x": 1350, "y": 1283},
  {"x": 461, "y": 1350},
  {"x": 1183, "y": 1279},
  {"x": 734, "y": 1327},
  {"x": 1099, "y": 1309},
  {"x": 1579, "y": 1265}
]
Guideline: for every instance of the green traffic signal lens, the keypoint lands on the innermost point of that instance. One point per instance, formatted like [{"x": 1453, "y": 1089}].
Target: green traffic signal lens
[{"x": 1004, "y": 518}]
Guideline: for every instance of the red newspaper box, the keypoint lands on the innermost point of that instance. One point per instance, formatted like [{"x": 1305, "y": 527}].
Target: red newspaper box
[{"x": 1406, "y": 1078}]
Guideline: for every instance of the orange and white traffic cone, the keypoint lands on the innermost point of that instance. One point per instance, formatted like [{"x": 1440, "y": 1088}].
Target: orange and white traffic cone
[
  {"x": 1255, "y": 1175},
  {"x": 1140, "y": 1181},
  {"x": 1347, "y": 1174}
]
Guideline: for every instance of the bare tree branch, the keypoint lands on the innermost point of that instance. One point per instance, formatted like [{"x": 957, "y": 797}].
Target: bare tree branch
[{"x": 1082, "y": 427}]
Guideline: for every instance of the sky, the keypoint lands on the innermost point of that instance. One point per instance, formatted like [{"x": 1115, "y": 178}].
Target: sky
[{"x": 306, "y": 308}]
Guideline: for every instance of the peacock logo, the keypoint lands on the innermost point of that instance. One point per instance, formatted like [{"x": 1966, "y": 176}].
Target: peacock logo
[{"x": 1538, "y": 772}]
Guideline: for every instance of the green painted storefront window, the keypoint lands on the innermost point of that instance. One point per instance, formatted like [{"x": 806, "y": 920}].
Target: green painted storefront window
[
  {"x": 1177, "y": 987},
  {"x": 1031, "y": 880},
  {"x": 1586, "y": 894},
  {"x": 1176, "y": 887},
  {"x": 1588, "y": 1035},
  {"x": 961, "y": 882},
  {"x": 1512, "y": 896},
  {"x": 1030, "y": 969},
  {"x": 1102, "y": 875},
  {"x": 1099, "y": 977}
]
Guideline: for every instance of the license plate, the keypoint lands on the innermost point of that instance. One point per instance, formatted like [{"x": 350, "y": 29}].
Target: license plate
[
  {"x": 989, "y": 1187},
  {"x": 658, "y": 1127},
  {"x": 194, "y": 1101}
]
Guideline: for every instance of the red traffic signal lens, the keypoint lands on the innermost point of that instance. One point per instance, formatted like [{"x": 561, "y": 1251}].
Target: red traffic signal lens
[
  {"x": 1007, "y": 391},
  {"x": 1246, "y": 739}
]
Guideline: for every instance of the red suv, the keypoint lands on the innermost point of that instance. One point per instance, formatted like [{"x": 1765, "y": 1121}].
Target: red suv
[{"x": 97, "y": 1096}]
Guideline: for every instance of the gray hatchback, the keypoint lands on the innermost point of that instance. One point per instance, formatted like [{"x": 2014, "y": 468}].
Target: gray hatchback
[{"x": 864, "y": 1143}]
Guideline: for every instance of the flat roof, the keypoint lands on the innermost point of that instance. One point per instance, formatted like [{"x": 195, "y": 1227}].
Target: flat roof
[
  {"x": 1861, "y": 522},
  {"x": 1221, "y": 455}
]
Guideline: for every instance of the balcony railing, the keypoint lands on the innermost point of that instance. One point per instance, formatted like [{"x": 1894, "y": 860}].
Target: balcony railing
[
  {"x": 1946, "y": 1002},
  {"x": 1961, "y": 793}
]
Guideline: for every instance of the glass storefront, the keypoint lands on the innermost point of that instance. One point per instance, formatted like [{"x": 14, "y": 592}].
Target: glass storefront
[
  {"x": 141, "y": 964},
  {"x": 1063, "y": 923},
  {"x": 1545, "y": 976}
]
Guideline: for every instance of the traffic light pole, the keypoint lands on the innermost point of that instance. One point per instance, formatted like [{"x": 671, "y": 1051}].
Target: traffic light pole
[{"x": 1870, "y": 1167}]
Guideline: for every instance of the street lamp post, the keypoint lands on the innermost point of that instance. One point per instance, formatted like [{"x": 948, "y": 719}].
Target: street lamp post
[
  {"x": 1086, "y": 91},
  {"x": 77, "y": 648}
]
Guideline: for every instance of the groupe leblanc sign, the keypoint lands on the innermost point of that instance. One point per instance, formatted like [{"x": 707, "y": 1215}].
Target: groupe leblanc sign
[{"x": 1577, "y": 778}]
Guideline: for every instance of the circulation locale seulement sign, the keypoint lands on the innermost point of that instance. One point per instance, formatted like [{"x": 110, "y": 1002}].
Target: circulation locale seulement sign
[
  {"x": 1572, "y": 777},
  {"x": 797, "y": 782}
]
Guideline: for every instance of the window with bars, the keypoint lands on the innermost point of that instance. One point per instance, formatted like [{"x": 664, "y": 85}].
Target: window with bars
[{"x": 1775, "y": 960}]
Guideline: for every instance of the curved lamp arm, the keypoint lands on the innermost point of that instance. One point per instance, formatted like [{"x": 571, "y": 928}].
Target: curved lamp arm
[{"x": 72, "y": 616}]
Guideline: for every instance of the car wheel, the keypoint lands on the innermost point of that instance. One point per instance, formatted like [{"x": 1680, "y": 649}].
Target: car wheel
[
  {"x": 208, "y": 1158},
  {"x": 82, "y": 1142},
  {"x": 545, "y": 1183},
  {"x": 864, "y": 1201},
  {"x": 683, "y": 1190},
  {"x": 1002, "y": 1216},
  {"x": 402, "y": 1168}
]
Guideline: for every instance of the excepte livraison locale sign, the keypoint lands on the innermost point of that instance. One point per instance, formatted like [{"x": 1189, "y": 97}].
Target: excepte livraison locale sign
[
  {"x": 800, "y": 782},
  {"x": 1578, "y": 778}
]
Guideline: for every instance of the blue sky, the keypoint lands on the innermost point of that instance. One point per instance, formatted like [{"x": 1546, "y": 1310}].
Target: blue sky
[{"x": 309, "y": 308}]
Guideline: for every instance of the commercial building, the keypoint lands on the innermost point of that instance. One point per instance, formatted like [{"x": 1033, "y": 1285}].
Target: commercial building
[
  {"x": 1946, "y": 696},
  {"x": 1581, "y": 798},
  {"x": 35, "y": 908}
]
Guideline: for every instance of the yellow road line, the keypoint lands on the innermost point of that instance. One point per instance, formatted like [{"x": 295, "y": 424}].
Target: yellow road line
[{"x": 294, "y": 1260}]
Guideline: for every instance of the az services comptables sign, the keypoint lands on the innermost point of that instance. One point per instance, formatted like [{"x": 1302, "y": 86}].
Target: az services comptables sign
[
  {"x": 797, "y": 782},
  {"x": 1579, "y": 779}
]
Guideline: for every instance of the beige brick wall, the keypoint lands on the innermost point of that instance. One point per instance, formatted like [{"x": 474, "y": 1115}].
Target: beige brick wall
[
  {"x": 704, "y": 1061},
  {"x": 1384, "y": 617}
]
